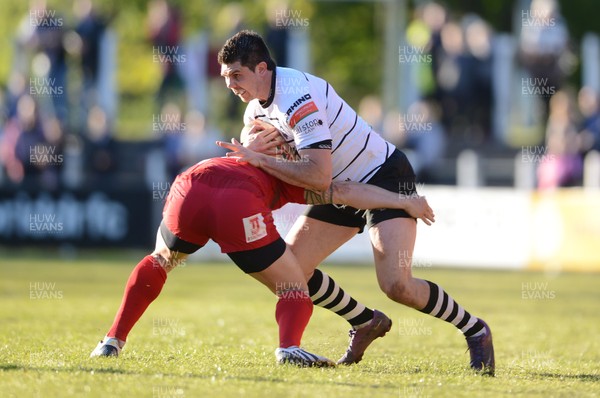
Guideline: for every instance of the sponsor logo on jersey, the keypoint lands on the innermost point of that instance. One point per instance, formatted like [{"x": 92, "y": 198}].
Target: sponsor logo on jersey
[
  {"x": 309, "y": 126},
  {"x": 307, "y": 109},
  {"x": 254, "y": 227},
  {"x": 297, "y": 103}
]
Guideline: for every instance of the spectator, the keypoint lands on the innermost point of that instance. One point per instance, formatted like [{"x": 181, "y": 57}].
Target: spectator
[
  {"x": 3, "y": 109},
  {"x": 544, "y": 47},
  {"x": 277, "y": 36},
  {"x": 89, "y": 29},
  {"x": 454, "y": 83},
  {"x": 420, "y": 134},
  {"x": 590, "y": 126},
  {"x": 16, "y": 89},
  {"x": 423, "y": 36},
  {"x": 371, "y": 110},
  {"x": 230, "y": 18},
  {"x": 425, "y": 137},
  {"x": 164, "y": 25},
  {"x": 198, "y": 142},
  {"x": 32, "y": 147},
  {"x": 49, "y": 62},
  {"x": 435, "y": 17},
  {"x": 478, "y": 39},
  {"x": 171, "y": 129},
  {"x": 99, "y": 143},
  {"x": 560, "y": 163}
]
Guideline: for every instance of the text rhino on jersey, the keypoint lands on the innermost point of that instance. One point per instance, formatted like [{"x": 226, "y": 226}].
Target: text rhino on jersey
[{"x": 300, "y": 100}]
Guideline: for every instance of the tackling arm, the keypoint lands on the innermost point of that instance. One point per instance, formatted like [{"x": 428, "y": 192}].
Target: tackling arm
[
  {"x": 365, "y": 196},
  {"x": 309, "y": 168},
  {"x": 312, "y": 171}
]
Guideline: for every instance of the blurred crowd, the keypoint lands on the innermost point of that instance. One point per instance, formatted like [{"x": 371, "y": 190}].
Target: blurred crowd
[
  {"x": 453, "y": 98},
  {"x": 56, "y": 112},
  {"x": 53, "y": 108},
  {"x": 37, "y": 114}
]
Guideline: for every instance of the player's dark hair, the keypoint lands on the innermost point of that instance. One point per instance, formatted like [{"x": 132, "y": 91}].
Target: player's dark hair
[{"x": 248, "y": 48}]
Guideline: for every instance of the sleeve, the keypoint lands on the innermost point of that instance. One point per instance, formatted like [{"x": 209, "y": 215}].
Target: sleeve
[{"x": 309, "y": 120}]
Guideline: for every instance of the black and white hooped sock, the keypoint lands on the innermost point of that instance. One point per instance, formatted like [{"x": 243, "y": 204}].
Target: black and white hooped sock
[
  {"x": 326, "y": 293},
  {"x": 442, "y": 306}
]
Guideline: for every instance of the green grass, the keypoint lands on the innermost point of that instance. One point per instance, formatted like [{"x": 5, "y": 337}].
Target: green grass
[{"x": 212, "y": 333}]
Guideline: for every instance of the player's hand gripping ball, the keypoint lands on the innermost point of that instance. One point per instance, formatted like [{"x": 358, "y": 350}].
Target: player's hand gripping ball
[{"x": 265, "y": 138}]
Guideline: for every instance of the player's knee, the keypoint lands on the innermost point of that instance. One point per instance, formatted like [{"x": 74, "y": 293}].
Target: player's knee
[
  {"x": 168, "y": 260},
  {"x": 160, "y": 260},
  {"x": 398, "y": 291},
  {"x": 394, "y": 290}
]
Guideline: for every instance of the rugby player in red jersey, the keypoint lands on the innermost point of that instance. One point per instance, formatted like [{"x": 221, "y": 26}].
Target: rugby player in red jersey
[
  {"x": 230, "y": 203},
  {"x": 335, "y": 144}
]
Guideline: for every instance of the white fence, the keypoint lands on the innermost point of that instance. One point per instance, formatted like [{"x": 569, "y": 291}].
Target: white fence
[{"x": 488, "y": 228}]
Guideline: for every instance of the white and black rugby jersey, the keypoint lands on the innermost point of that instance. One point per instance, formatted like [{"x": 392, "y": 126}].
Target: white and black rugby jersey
[{"x": 310, "y": 114}]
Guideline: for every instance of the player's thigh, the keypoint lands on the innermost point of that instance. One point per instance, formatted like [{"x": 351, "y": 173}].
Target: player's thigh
[
  {"x": 312, "y": 241},
  {"x": 284, "y": 274},
  {"x": 393, "y": 242}
]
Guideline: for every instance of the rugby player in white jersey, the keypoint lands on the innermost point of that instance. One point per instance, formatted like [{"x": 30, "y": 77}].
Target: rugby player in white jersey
[{"x": 335, "y": 144}]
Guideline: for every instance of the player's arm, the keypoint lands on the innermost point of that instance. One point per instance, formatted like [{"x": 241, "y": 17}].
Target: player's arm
[
  {"x": 361, "y": 196},
  {"x": 313, "y": 170},
  {"x": 365, "y": 196}
]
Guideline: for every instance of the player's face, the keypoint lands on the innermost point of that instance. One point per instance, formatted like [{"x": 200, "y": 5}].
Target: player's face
[{"x": 241, "y": 80}]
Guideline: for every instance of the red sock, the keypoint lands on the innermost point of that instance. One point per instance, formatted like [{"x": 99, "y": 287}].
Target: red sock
[
  {"x": 292, "y": 312},
  {"x": 143, "y": 286}
]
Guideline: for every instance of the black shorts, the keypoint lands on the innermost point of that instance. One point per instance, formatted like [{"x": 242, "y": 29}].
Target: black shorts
[
  {"x": 249, "y": 261},
  {"x": 396, "y": 175},
  {"x": 175, "y": 243}
]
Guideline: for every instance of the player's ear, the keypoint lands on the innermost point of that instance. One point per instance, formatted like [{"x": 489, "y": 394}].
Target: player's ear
[{"x": 261, "y": 68}]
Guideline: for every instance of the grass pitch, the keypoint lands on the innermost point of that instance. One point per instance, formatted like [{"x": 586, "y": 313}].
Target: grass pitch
[{"x": 212, "y": 333}]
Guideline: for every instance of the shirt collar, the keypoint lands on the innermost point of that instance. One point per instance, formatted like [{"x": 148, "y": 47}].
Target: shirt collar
[{"x": 269, "y": 101}]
